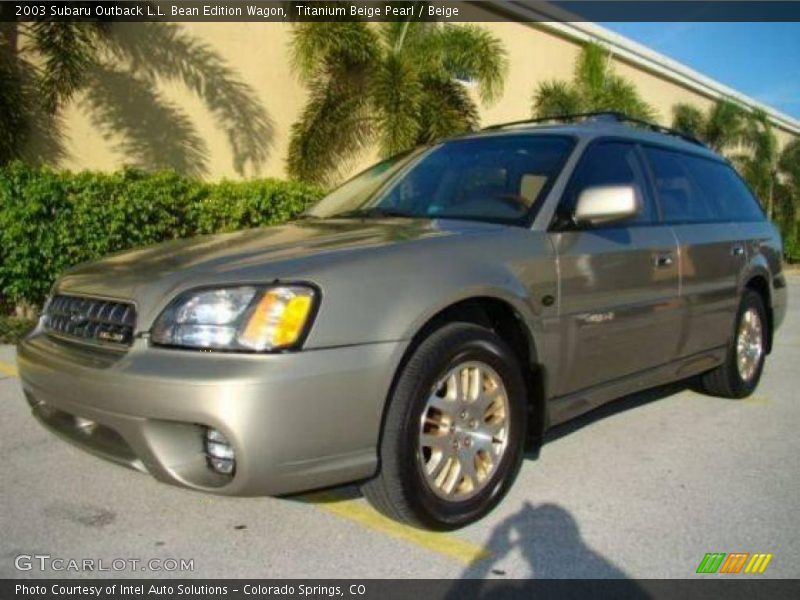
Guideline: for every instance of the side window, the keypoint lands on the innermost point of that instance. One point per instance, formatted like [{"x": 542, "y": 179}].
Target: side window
[
  {"x": 682, "y": 201},
  {"x": 730, "y": 198},
  {"x": 607, "y": 164}
]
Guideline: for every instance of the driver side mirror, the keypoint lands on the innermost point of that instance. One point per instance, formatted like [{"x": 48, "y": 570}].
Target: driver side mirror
[{"x": 606, "y": 204}]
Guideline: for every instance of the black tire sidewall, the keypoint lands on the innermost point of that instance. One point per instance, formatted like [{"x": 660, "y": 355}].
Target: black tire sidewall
[
  {"x": 464, "y": 344},
  {"x": 741, "y": 387}
]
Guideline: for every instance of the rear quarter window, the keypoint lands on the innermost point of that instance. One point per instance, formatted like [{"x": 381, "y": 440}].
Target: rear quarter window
[{"x": 729, "y": 196}]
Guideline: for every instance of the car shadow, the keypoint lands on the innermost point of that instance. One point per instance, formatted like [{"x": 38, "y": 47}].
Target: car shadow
[{"x": 614, "y": 407}]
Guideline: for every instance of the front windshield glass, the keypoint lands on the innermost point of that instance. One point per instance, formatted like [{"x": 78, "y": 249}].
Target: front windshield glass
[{"x": 497, "y": 179}]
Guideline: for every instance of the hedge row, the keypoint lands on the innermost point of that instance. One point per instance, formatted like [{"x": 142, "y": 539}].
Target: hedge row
[{"x": 51, "y": 220}]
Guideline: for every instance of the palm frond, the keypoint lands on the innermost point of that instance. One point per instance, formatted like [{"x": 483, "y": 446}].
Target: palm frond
[
  {"x": 315, "y": 45},
  {"x": 621, "y": 95},
  {"x": 470, "y": 52},
  {"x": 554, "y": 98},
  {"x": 689, "y": 119},
  {"x": 406, "y": 35},
  {"x": 13, "y": 124},
  {"x": 28, "y": 132},
  {"x": 335, "y": 126},
  {"x": 789, "y": 163},
  {"x": 725, "y": 125},
  {"x": 447, "y": 109},
  {"x": 396, "y": 92},
  {"x": 591, "y": 72},
  {"x": 68, "y": 51}
]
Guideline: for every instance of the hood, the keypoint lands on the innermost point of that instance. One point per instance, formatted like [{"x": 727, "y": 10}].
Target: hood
[{"x": 152, "y": 275}]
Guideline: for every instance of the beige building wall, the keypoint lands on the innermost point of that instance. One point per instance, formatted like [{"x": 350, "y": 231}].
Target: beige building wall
[{"x": 258, "y": 55}]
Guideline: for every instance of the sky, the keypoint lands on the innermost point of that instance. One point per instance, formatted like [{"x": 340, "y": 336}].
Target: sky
[{"x": 761, "y": 60}]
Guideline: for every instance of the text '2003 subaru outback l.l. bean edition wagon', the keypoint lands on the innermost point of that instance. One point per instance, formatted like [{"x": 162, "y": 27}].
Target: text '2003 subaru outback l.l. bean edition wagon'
[{"x": 423, "y": 324}]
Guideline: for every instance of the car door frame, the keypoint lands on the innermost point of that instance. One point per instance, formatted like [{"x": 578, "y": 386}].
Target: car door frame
[
  {"x": 733, "y": 248},
  {"x": 569, "y": 343}
]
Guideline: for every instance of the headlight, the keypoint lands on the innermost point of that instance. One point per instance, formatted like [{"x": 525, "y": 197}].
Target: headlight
[{"x": 245, "y": 318}]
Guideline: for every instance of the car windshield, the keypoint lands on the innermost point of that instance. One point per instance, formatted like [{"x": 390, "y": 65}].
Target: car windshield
[{"x": 497, "y": 179}]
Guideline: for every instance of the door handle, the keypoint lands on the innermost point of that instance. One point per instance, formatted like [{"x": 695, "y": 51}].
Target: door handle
[
  {"x": 662, "y": 260},
  {"x": 737, "y": 250}
]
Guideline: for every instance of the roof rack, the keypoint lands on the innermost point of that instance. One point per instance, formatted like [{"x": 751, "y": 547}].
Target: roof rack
[{"x": 600, "y": 116}]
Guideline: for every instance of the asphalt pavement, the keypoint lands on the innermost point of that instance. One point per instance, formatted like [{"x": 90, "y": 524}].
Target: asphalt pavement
[{"x": 641, "y": 488}]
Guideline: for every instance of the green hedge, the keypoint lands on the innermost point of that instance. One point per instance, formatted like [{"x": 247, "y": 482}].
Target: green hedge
[
  {"x": 52, "y": 220},
  {"x": 12, "y": 329}
]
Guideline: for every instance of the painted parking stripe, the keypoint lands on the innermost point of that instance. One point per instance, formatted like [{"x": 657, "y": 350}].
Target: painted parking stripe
[
  {"x": 8, "y": 369},
  {"x": 360, "y": 512}
]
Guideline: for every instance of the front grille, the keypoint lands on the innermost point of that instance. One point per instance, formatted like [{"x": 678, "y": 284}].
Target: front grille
[{"x": 91, "y": 319}]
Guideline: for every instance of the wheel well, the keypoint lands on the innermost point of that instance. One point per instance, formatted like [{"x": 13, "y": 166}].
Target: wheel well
[
  {"x": 760, "y": 286},
  {"x": 504, "y": 320}
]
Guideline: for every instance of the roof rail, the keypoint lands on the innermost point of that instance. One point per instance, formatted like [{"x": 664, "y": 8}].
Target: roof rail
[{"x": 600, "y": 116}]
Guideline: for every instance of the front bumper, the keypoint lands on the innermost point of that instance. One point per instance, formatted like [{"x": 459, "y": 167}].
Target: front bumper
[{"x": 296, "y": 421}]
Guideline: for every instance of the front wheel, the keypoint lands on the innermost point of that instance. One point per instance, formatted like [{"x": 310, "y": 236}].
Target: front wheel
[
  {"x": 453, "y": 436},
  {"x": 739, "y": 375}
]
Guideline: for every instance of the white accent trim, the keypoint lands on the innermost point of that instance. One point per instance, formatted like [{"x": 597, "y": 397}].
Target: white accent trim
[{"x": 641, "y": 56}]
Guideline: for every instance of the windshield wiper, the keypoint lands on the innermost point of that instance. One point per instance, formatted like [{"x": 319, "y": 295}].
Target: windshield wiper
[{"x": 376, "y": 212}]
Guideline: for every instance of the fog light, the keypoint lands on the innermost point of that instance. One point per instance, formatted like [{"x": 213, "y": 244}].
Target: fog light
[{"x": 219, "y": 452}]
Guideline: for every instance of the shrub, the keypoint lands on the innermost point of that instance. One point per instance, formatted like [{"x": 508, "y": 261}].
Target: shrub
[
  {"x": 13, "y": 329},
  {"x": 51, "y": 220},
  {"x": 791, "y": 249}
]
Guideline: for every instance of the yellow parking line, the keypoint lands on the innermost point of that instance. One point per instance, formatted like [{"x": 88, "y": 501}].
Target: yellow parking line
[
  {"x": 8, "y": 369},
  {"x": 360, "y": 512}
]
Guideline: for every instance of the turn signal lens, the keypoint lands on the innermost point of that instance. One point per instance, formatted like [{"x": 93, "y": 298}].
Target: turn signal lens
[{"x": 278, "y": 319}]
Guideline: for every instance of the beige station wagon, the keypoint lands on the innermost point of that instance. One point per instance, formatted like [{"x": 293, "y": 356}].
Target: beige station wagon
[{"x": 424, "y": 324}]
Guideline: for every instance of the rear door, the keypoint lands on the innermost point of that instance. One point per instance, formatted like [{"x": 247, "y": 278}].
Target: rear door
[
  {"x": 618, "y": 298},
  {"x": 711, "y": 249}
]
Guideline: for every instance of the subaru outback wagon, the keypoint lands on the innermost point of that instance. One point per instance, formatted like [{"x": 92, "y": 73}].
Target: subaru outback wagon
[{"x": 421, "y": 326}]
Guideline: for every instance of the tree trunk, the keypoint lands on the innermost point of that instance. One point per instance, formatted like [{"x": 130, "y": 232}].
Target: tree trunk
[{"x": 770, "y": 197}]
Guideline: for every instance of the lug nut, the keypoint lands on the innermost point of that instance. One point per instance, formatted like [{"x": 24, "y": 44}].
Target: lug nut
[{"x": 467, "y": 442}]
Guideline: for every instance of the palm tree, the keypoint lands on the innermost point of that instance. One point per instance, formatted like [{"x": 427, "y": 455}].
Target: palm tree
[
  {"x": 113, "y": 72},
  {"x": 594, "y": 87},
  {"x": 722, "y": 128},
  {"x": 760, "y": 164},
  {"x": 399, "y": 84},
  {"x": 789, "y": 166}
]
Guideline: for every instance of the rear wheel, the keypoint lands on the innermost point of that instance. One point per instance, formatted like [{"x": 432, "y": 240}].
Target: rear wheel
[
  {"x": 739, "y": 375},
  {"x": 452, "y": 440}
]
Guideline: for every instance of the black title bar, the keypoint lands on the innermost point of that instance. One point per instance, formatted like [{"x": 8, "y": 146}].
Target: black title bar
[{"x": 440, "y": 10}]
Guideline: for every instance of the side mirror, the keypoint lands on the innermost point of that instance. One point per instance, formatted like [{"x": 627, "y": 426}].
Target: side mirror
[{"x": 606, "y": 204}]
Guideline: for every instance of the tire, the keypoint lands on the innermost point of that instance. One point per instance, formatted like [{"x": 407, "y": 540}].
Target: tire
[
  {"x": 727, "y": 380},
  {"x": 402, "y": 490}
]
